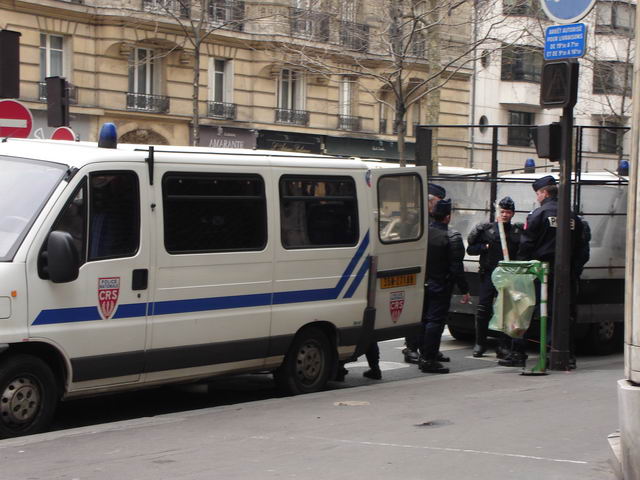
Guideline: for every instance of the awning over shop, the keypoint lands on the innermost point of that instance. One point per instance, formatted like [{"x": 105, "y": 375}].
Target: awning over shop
[
  {"x": 227, "y": 137},
  {"x": 367, "y": 148},
  {"x": 290, "y": 142}
]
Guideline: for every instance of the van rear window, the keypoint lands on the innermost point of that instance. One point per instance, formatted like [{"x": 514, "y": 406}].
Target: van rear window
[
  {"x": 213, "y": 212},
  {"x": 318, "y": 211},
  {"x": 400, "y": 208}
]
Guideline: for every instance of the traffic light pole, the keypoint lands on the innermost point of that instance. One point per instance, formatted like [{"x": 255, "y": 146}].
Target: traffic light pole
[{"x": 561, "y": 269}]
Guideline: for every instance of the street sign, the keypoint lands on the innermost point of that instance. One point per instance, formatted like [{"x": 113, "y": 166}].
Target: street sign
[
  {"x": 565, "y": 41},
  {"x": 63, "y": 133},
  {"x": 16, "y": 120},
  {"x": 567, "y": 11}
]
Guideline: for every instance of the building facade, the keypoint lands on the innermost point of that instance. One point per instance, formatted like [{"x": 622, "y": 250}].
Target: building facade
[
  {"x": 135, "y": 63},
  {"x": 507, "y": 79}
]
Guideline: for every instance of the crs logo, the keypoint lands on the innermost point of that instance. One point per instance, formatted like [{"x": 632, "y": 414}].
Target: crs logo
[{"x": 108, "y": 294}]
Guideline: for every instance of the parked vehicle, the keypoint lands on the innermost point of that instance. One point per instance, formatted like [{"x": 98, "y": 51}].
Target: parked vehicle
[
  {"x": 132, "y": 266},
  {"x": 601, "y": 200}
]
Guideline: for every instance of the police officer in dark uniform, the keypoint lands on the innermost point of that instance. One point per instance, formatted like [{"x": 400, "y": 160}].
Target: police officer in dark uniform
[
  {"x": 484, "y": 240},
  {"x": 412, "y": 343},
  {"x": 445, "y": 270},
  {"x": 538, "y": 242}
]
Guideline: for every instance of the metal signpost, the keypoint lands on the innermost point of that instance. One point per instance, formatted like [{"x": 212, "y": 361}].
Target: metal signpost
[{"x": 559, "y": 89}]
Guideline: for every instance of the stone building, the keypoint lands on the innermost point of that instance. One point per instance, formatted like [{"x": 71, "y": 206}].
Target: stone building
[{"x": 132, "y": 62}]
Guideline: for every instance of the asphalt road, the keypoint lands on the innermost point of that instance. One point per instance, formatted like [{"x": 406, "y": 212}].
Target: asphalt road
[{"x": 245, "y": 388}]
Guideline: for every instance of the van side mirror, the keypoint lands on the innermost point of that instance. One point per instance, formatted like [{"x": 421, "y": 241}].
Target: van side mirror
[{"x": 63, "y": 258}]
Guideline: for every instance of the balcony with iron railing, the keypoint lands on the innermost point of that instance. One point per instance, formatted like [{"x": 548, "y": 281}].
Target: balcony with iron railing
[
  {"x": 226, "y": 111},
  {"x": 354, "y": 36},
  {"x": 292, "y": 117},
  {"x": 227, "y": 13},
  {"x": 143, "y": 102},
  {"x": 352, "y": 124},
  {"x": 164, "y": 7},
  {"x": 72, "y": 92},
  {"x": 309, "y": 24}
]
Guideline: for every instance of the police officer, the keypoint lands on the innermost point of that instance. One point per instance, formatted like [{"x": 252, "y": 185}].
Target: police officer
[
  {"x": 538, "y": 242},
  {"x": 412, "y": 343},
  {"x": 445, "y": 270},
  {"x": 484, "y": 240}
]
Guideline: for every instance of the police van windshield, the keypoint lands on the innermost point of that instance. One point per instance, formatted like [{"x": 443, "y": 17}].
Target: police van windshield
[{"x": 25, "y": 185}]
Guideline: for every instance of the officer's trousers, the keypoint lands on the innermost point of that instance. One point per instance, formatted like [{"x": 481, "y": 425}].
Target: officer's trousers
[{"x": 434, "y": 317}]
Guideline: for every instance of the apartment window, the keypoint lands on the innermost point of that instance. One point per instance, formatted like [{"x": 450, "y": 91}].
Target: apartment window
[
  {"x": 229, "y": 12},
  {"x": 612, "y": 78},
  {"x": 520, "y": 136},
  {"x": 142, "y": 71},
  {"x": 220, "y": 71},
  {"x": 51, "y": 56},
  {"x": 318, "y": 212},
  {"x": 610, "y": 137},
  {"x": 291, "y": 90},
  {"x": 214, "y": 212},
  {"x": 383, "y": 117},
  {"x": 347, "y": 89},
  {"x": 526, "y": 8},
  {"x": 521, "y": 64},
  {"x": 615, "y": 17},
  {"x": 415, "y": 116}
]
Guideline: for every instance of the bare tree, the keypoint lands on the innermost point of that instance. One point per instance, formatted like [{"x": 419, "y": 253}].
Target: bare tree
[
  {"x": 199, "y": 20},
  {"x": 404, "y": 54}
]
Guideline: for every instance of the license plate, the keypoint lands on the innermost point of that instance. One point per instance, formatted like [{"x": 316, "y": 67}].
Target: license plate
[{"x": 398, "y": 281}]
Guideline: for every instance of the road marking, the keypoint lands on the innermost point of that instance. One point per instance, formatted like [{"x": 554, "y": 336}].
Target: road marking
[
  {"x": 13, "y": 122},
  {"x": 384, "y": 366},
  {"x": 449, "y": 449}
]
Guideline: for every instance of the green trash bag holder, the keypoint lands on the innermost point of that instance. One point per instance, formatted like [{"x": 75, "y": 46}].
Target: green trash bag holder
[{"x": 541, "y": 271}]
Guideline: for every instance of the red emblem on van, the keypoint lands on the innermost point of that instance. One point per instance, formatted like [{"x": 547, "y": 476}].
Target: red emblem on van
[
  {"x": 396, "y": 304},
  {"x": 108, "y": 293}
]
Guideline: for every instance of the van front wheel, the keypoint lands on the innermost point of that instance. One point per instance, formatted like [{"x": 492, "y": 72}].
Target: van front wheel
[
  {"x": 306, "y": 366},
  {"x": 27, "y": 396}
]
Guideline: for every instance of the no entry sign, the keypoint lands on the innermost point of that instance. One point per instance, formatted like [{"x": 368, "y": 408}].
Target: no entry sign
[
  {"x": 63, "y": 133},
  {"x": 16, "y": 120}
]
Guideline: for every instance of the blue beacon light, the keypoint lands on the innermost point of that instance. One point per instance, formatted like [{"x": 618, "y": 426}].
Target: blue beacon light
[
  {"x": 623, "y": 168},
  {"x": 529, "y": 165},
  {"x": 108, "y": 136}
]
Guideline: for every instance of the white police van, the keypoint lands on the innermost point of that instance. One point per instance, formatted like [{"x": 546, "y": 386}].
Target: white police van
[{"x": 136, "y": 266}]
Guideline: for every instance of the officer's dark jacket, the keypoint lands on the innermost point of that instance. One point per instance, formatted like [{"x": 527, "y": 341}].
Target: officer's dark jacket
[
  {"x": 445, "y": 254},
  {"x": 485, "y": 234},
  {"x": 538, "y": 241}
]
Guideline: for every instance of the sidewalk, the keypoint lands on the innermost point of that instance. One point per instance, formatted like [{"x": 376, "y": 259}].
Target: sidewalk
[{"x": 483, "y": 424}]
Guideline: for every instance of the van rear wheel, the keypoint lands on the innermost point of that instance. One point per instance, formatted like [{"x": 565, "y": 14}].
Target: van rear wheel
[
  {"x": 306, "y": 366},
  {"x": 27, "y": 396}
]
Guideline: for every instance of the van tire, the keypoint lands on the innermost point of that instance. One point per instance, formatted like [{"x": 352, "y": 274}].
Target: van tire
[
  {"x": 28, "y": 396},
  {"x": 307, "y": 364},
  {"x": 602, "y": 338}
]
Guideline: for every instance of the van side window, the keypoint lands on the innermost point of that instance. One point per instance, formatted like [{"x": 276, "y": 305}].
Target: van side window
[
  {"x": 400, "y": 207},
  {"x": 318, "y": 211},
  {"x": 214, "y": 212},
  {"x": 73, "y": 219},
  {"x": 114, "y": 215}
]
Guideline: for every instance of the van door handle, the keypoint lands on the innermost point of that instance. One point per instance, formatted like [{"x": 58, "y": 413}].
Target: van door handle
[{"x": 140, "y": 279}]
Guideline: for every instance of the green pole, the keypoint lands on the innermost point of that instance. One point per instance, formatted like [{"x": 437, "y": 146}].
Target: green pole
[{"x": 542, "y": 272}]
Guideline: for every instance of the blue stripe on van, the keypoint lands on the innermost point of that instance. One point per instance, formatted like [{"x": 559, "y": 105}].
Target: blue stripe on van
[
  {"x": 132, "y": 310},
  {"x": 356, "y": 281}
]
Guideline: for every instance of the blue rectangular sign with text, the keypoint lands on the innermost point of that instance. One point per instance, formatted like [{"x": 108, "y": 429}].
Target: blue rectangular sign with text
[{"x": 565, "y": 41}]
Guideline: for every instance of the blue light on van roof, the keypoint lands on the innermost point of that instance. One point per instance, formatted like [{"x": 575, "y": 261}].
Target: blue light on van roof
[
  {"x": 529, "y": 165},
  {"x": 108, "y": 136},
  {"x": 623, "y": 168}
]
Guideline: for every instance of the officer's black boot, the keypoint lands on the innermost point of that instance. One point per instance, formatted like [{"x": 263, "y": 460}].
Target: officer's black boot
[
  {"x": 431, "y": 366},
  {"x": 482, "y": 328}
]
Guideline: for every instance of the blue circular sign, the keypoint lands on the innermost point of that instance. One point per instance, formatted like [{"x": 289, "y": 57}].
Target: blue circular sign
[{"x": 567, "y": 11}]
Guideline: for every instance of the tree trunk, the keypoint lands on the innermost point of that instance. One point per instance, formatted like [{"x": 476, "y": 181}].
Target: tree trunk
[{"x": 195, "y": 98}]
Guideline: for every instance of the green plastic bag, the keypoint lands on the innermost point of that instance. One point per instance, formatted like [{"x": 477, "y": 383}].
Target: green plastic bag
[{"x": 515, "y": 303}]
